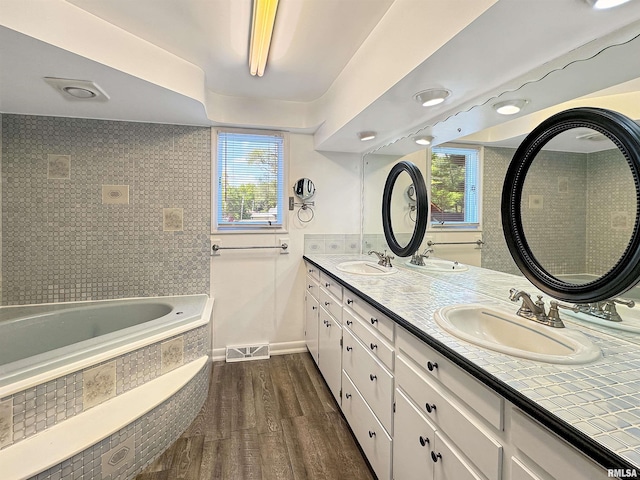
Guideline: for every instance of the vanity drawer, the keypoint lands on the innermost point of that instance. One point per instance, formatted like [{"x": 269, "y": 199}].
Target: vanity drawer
[
  {"x": 312, "y": 271},
  {"x": 312, "y": 287},
  {"x": 331, "y": 285},
  {"x": 479, "y": 398},
  {"x": 380, "y": 322},
  {"x": 371, "y": 435},
  {"x": 450, "y": 464},
  {"x": 374, "y": 382},
  {"x": 378, "y": 347},
  {"x": 550, "y": 453},
  {"x": 464, "y": 431},
  {"x": 331, "y": 304}
]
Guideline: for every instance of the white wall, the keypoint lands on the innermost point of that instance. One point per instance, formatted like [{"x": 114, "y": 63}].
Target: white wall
[{"x": 259, "y": 293}]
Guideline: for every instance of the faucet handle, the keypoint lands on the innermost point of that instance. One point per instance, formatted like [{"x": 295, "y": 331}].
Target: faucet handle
[{"x": 622, "y": 301}]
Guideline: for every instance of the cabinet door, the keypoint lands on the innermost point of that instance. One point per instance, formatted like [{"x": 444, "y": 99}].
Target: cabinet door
[
  {"x": 413, "y": 440},
  {"x": 330, "y": 352},
  {"x": 311, "y": 325},
  {"x": 448, "y": 465}
]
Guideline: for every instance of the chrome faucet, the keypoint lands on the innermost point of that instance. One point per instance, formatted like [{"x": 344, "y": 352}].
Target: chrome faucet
[
  {"x": 418, "y": 258},
  {"x": 605, "y": 310},
  {"x": 535, "y": 310},
  {"x": 383, "y": 258}
]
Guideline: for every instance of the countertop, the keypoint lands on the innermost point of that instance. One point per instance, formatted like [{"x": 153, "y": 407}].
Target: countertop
[{"x": 593, "y": 406}]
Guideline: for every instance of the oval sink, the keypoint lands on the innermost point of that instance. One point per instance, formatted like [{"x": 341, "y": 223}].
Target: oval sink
[
  {"x": 508, "y": 333},
  {"x": 365, "y": 267},
  {"x": 438, "y": 265}
]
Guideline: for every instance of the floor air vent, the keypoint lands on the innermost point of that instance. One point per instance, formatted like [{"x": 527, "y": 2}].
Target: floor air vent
[{"x": 248, "y": 352}]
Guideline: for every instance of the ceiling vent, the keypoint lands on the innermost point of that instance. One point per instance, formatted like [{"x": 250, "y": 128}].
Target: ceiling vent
[{"x": 80, "y": 90}]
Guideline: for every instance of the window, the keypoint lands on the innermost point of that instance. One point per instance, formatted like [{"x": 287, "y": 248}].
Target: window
[
  {"x": 455, "y": 186},
  {"x": 249, "y": 180}
]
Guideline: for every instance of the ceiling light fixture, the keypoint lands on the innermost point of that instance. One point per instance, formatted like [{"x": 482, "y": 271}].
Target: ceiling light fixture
[
  {"x": 264, "y": 17},
  {"x": 365, "y": 136},
  {"x": 74, "y": 90},
  {"x": 604, "y": 4},
  {"x": 423, "y": 140},
  {"x": 431, "y": 97},
  {"x": 509, "y": 107}
]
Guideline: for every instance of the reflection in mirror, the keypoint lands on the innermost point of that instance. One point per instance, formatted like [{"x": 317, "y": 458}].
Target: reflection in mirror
[
  {"x": 376, "y": 168},
  {"x": 403, "y": 222},
  {"x": 578, "y": 206}
]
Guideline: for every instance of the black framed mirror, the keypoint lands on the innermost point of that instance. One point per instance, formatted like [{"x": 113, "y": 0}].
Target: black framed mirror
[
  {"x": 557, "y": 226},
  {"x": 403, "y": 175}
]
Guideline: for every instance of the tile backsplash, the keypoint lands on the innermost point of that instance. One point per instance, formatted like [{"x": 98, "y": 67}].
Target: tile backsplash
[{"x": 62, "y": 242}]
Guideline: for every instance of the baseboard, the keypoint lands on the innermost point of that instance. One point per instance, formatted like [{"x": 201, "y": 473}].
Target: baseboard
[{"x": 280, "y": 348}]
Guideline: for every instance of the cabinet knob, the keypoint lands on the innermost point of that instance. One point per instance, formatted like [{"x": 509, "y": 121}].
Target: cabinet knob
[
  {"x": 349, "y": 349},
  {"x": 327, "y": 285},
  {"x": 430, "y": 407},
  {"x": 372, "y": 377},
  {"x": 349, "y": 301},
  {"x": 374, "y": 321},
  {"x": 424, "y": 441},
  {"x": 314, "y": 307},
  {"x": 373, "y": 346},
  {"x": 347, "y": 395},
  {"x": 310, "y": 286},
  {"x": 435, "y": 456},
  {"x": 432, "y": 366},
  {"x": 311, "y": 270},
  {"x": 349, "y": 322},
  {"x": 372, "y": 434},
  {"x": 326, "y": 304}
]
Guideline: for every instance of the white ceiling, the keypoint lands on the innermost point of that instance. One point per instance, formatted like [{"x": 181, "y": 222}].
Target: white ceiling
[{"x": 336, "y": 67}]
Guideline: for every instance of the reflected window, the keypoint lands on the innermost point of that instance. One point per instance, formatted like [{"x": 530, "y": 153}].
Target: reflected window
[
  {"x": 249, "y": 180},
  {"x": 455, "y": 186}
]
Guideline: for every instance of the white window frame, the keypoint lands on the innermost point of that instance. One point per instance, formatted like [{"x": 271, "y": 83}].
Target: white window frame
[
  {"x": 465, "y": 226},
  {"x": 253, "y": 228}
]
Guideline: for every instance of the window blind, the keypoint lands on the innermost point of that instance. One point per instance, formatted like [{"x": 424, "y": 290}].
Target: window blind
[
  {"x": 250, "y": 169},
  {"x": 455, "y": 189}
]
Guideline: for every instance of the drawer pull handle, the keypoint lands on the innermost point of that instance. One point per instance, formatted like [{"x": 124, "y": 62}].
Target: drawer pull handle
[
  {"x": 349, "y": 301},
  {"x": 373, "y": 346},
  {"x": 327, "y": 285},
  {"x": 374, "y": 321},
  {"x": 424, "y": 441},
  {"x": 349, "y": 322},
  {"x": 432, "y": 366},
  {"x": 372, "y": 434},
  {"x": 349, "y": 349},
  {"x": 347, "y": 396},
  {"x": 430, "y": 407},
  {"x": 435, "y": 456},
  {"x": 372, "y": 377}
]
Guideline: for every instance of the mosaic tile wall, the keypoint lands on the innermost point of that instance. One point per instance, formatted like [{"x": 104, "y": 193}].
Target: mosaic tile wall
[
  {"x": 556, "y": 191},
  {"x": 62, "y": 243},
  {"x": 41, "y": 407},
  {"x": 138, "y": 444}
]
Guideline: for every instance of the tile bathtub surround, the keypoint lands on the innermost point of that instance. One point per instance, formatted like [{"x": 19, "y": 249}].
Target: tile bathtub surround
[
  {"x": 60, "y": 243},
  {"x": 99, "y": 384},
  {"x": 6, "y": 423},
  {"x": 600, "y": 399},
  {"x": 171, "y": 354},
  {"x": 45, "y": 405},
  {"x": 150, "y": 435}
]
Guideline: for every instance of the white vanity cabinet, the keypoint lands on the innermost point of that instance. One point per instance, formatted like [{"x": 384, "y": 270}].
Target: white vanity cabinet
[
  {"x": 311, "y": 310},
  {"x": 330, "y": 333}
]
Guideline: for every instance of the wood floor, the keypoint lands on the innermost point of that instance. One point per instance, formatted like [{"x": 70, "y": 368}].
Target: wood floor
[{"x": 264, "y": 419}]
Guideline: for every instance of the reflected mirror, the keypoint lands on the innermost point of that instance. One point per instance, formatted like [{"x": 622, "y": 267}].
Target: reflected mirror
[{"x": 304, "y": 189}]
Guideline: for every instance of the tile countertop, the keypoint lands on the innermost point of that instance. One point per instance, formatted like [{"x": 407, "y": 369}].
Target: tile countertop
[{"x": 595, "y": 406}]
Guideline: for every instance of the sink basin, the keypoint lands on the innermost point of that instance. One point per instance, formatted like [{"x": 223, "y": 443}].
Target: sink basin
[
  {"x": 365, "y": 267},
  {"x": 508, "y": 333},
  {"x": 438, "y": 265}
]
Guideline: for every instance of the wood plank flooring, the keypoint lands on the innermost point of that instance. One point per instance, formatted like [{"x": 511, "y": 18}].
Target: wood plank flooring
[{"x": 264, "y": 419}]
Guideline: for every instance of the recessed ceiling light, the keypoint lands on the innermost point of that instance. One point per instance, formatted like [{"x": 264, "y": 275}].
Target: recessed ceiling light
[
  {"x": 364, "y": 136},
  {"x": 75, "y": 90},
  {"x": 423, "y": 139},
  {"x": 431, "y": 97},
  {"x": 509, "y": 107},
  {"x": 604, "y": 4}
]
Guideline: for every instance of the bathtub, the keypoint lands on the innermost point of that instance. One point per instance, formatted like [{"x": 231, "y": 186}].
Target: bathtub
[{"x": 92, "y": 373}]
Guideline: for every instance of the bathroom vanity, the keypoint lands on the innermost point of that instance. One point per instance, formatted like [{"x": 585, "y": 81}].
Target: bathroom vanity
[{"x": 425, "y": 404}]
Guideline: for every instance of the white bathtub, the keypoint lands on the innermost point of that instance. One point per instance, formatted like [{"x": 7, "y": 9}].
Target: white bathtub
[{"x": 55, "y": 359}]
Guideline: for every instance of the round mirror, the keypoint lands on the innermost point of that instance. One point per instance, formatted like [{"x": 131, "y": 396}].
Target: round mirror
[
  {"x": 304, "y": 189},
  {"x": 404, "y": 231},
  {"x": 411, "y": 193},
  {"x": 570, "y": 205}
]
